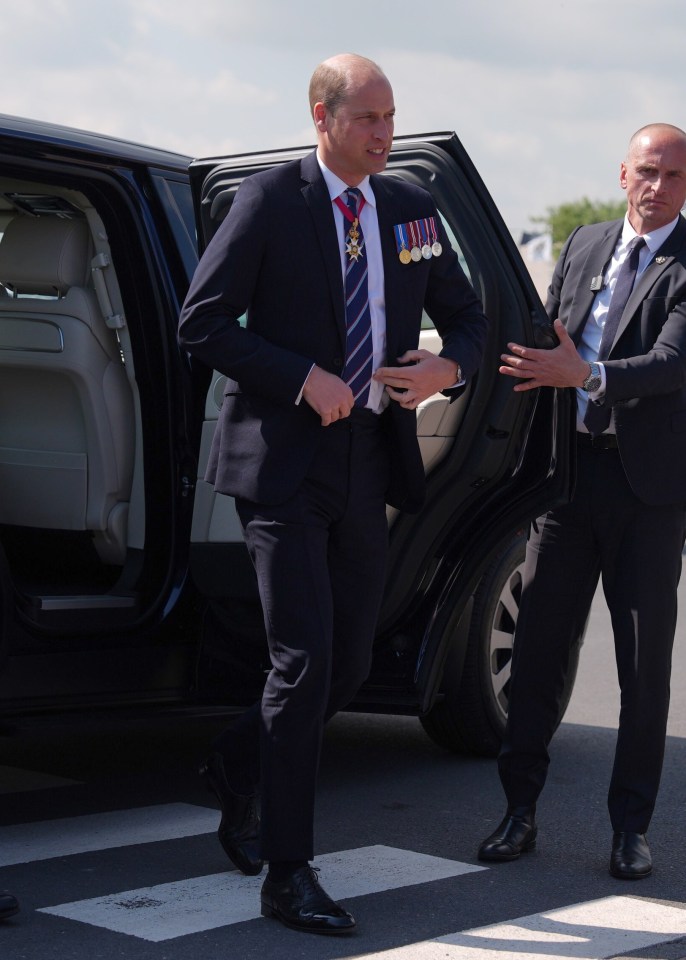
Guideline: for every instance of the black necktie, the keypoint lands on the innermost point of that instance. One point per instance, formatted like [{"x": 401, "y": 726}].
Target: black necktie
[{"x": 597, "y": 418}]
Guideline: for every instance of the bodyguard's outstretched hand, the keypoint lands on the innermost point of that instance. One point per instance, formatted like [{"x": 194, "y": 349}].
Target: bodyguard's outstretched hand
[
  {"x": 426, "y": 375},
  {"x": 560, "y": 367}
]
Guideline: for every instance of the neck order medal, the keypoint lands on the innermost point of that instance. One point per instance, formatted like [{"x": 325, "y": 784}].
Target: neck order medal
[{"x": 352, "y": 245}]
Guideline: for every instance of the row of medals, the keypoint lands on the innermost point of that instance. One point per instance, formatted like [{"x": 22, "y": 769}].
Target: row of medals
[
  {"x": 406, "y": 256},
  {"x": 416, "y": 253}
]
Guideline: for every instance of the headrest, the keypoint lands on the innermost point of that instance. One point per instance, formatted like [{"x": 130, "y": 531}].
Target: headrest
[{"x": 44, "y": 255}]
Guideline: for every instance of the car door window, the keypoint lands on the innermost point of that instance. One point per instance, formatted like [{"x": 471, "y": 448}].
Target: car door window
[{"x": 427, "y": 322}]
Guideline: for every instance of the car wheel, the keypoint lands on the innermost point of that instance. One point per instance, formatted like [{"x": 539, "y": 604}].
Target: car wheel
[{"x": 471, "y": 715}]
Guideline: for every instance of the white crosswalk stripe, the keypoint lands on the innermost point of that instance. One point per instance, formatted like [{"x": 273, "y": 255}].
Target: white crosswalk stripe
[
  {"x": 204, "y": 903},
  {"x": 18, "y": 780},
  {"x": 596, "y": 930},
  {"x": 25, "y": 843}
]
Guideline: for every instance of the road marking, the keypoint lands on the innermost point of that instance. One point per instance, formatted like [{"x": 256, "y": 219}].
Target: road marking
[
  {"x": 177, "y": 909},
  {"x": 16, "y": 780},
  {"x": 27, "y": 842},
  {"x": 595, "y": 930}
]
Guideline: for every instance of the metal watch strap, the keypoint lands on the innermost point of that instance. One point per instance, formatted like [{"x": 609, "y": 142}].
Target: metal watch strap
[{"x": 593, "y": 380}]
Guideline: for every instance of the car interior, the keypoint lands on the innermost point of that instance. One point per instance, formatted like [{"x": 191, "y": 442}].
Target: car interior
[{"x": 68, "y": 440}]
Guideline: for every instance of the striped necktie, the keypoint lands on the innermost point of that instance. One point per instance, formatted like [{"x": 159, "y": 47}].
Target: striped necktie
[{"x": 357, "y": 372}]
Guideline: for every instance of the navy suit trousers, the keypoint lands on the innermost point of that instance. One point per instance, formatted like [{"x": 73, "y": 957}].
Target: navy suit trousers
[{"x": 320, "y": 560}]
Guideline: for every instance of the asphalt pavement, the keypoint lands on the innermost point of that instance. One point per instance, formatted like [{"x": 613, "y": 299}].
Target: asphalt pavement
[{"x": 108, "y": 837}]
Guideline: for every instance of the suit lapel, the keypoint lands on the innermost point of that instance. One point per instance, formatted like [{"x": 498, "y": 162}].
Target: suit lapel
[
  {"x": 316, "y": 196},
  {"x": 662, "y": 260},
  {"x": 391, "y": 264},
  {"x": 595, "y": 264}
]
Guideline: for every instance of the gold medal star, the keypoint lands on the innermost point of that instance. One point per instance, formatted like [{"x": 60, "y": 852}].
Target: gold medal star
[{"x": 352, "y": 249}]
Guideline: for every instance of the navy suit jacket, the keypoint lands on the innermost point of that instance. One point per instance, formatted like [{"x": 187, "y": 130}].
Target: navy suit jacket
[
  {"x": 646, "y": 368},
  {"x": 277, "y": 256}
]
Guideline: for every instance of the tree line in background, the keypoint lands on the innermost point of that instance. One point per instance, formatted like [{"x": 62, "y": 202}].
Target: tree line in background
[{"x": 562, "y": 220}]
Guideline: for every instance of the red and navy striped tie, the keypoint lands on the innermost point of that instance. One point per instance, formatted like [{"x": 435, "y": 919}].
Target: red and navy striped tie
[{"x": 357, "y": 372}]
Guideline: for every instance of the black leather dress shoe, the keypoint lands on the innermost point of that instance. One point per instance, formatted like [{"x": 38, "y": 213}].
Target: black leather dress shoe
[
  {"x": 300, "y": 902},
  {"x": 239, "y": 829},
  {"x": 630, "y": 858},
  {"x": 9, "y": 905},
  {"x": 515, "y": 835}
]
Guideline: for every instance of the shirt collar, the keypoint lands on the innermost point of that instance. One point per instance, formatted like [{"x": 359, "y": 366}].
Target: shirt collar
[
  {"x": 654, "y": 239},
  {"x": 336, "y": 186}
]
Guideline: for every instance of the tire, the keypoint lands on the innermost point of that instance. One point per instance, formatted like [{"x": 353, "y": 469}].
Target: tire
[{"x": 471, "y": 715}]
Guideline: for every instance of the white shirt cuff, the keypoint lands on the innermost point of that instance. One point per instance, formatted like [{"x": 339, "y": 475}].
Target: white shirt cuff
[{"x": 300, "y": 395}]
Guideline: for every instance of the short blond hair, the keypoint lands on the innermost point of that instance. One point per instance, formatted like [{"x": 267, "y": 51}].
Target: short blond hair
[{"x": 331, "y": 81}]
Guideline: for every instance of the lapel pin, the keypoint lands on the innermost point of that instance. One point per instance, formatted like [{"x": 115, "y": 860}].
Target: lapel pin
[{"x": 660, "y": 259}]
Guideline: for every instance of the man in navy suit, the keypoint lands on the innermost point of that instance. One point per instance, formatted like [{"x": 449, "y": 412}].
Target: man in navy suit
[
  {"x": 313, "y": 447},
  {"x": 618, "y": 302}
]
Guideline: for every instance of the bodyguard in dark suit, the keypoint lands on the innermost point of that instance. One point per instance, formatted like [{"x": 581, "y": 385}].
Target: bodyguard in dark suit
[
  {"x": 316, "y": 434},
  {"x": 618, "y": 302}
]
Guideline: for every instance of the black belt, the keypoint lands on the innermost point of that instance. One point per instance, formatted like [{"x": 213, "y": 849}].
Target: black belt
[
  {"x": 364, "y": 415},
  {"x": 360, "y": 418},
  {"x": 604, "y": 441}
]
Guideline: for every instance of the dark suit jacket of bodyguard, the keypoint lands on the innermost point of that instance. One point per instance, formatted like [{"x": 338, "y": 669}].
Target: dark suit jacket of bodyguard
[
  {"x": 646, "y": 368},
  {"x": 277, "y": 255}
]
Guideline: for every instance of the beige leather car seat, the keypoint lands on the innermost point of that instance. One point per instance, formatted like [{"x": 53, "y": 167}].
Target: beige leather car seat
[{"x": 66, "y": 411}]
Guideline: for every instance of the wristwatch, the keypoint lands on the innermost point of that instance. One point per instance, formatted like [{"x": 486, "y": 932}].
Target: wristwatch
[{"x": 593, "y": 381}]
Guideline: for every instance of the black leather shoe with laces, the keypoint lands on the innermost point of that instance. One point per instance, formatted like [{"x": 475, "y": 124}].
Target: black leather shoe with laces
[
  {"x": 630, "y": 858},
  {"x": 514, "y": 836},
  {"x": 300, "y": 902},
  {"x": 239, "y": 829}
]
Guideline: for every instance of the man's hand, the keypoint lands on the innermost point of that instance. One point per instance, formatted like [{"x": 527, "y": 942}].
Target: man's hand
[
  {"x": 328, "y": 395},
  {"x": 560, "y": 367},
  {"x": 428, "y": 374}
]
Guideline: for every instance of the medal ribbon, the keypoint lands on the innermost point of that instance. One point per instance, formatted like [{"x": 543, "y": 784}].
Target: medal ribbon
[
  {"x": 400, "y": 240},
  {"x": 346, "y": 211},
  {"x": 414, "y": 233}
]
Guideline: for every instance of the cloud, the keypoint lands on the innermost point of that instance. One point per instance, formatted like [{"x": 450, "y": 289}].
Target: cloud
[
  {"x": 537, "y": 139},
  {"x": 543, "y": 93}
]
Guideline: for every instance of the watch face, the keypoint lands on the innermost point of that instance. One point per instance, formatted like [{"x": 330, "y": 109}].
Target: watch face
[{"x": 593, "y": 381}]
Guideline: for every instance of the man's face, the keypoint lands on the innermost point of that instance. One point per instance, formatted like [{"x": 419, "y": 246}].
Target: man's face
[
  {"x": 356, "y": 140},
  {"x": 654, "y": 177}
]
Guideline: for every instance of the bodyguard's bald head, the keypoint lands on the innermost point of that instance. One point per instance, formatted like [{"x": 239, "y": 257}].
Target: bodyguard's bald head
[{"x": 653, "y": 131}]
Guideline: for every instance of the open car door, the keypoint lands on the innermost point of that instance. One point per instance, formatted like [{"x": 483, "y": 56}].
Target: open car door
[{"x": 493, "y": 458}]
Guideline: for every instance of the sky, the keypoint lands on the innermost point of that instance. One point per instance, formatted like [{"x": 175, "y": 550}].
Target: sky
[{"x": 544, "y": 94}]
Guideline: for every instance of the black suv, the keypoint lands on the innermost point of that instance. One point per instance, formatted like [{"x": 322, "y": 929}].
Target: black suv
[{"x": 123, "y": 576}]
